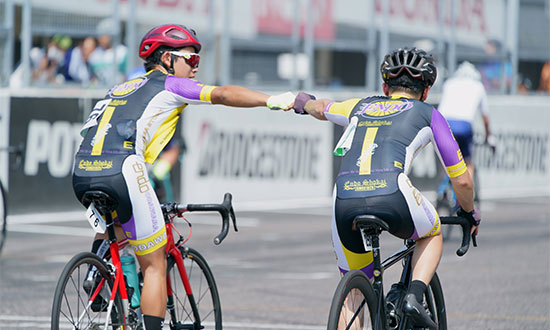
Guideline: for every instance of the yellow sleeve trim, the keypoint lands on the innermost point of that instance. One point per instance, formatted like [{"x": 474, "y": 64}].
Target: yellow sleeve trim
[
  {"x": 343, "y": 108},
  {"x": 456, "y": 170},
  {"x": 206, "y": 92}
]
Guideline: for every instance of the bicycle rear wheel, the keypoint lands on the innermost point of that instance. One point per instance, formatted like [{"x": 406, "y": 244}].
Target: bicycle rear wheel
[
  {"x": 354, "y": 303},
  {"x": 180, "y": 312},
  {"x": 3, "y": 216},
  {"x": 72, "y": 306}
]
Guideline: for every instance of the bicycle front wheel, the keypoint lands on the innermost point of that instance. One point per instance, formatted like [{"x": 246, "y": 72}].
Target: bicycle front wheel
[
  {"x": 202, "y": 308},
  {"x": 354, "y": 303},
  {"x": 434, "y": 303},
  {"x": 73, "y": 307},
  {"x": 3, "y": 216}
]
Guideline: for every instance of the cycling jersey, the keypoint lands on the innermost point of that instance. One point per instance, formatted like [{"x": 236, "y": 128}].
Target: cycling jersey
[
  {"x": 373, "y": 179},
  {"x": 126, "y": 129},
  {"x": 462, "y": 97}
]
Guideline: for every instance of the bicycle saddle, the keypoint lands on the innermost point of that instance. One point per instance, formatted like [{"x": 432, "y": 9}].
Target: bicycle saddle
[
  {"x": 100, "y": 198},
  {"x": 370, "y": 220}
]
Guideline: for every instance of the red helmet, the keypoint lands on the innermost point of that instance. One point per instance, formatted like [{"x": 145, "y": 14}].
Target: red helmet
[{"x": 171, "y": 35}]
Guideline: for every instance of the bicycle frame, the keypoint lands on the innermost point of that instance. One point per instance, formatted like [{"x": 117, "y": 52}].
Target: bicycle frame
[
  {"x": 119, "y": 284},
  {"x": 371, "y": 240},
  {"x": 172, "y": 249}
]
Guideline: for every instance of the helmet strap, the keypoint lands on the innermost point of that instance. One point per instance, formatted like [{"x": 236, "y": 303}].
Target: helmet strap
[
  {"x": 172, "y": 58},
  {"x": 169, "y": 69}
]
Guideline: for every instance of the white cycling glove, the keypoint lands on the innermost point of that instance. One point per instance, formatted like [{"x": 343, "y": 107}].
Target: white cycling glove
[{"x": 281, "y": 101}]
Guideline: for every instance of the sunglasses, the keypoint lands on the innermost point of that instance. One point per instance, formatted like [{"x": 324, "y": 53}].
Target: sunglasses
[
  {"x": 190, "y": 58},
  {"x": 413, "y": 72}
]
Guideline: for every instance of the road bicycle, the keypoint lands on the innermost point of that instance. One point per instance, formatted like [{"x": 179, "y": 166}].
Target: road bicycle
[
  {"x": 359, "y": 303},
  {"x": 193, "y": 300},
  {"x": 18, "y": 151}
]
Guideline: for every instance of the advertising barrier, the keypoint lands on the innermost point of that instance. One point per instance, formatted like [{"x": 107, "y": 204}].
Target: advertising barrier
[
  {"x": 255, "y": 154},
  {"x": 48, "y": 128},
  {"x": 520, "y": 165},
  {"x": 258, "y": 155}
]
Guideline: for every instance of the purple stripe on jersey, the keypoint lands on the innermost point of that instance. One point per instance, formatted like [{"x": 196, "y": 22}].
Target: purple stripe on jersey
[
  {"x": 130, "y": 228},
  {"x": 367, "y": 270},
  {"x": 185, "y": 87},
  {"x": 444, "y": 140}
]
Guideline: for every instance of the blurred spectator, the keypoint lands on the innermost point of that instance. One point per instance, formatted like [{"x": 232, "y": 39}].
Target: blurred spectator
[
  {"x": 102, "y": 58},
  {"x": 44, "y": 63},
  {"x": 524, "y": 85},
  {"x": 77, "y": 67},
  {"x": 52, "y": 60},
  {"x": 491, "y": 70},
  {"x": 544, "y": 84}
]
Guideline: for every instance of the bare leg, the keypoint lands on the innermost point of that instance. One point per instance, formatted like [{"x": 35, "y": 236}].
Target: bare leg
[
  {"x": 153, "y": 295},
  {"x": 426, "y": 256},
  {"x": 352, "y": 301}
]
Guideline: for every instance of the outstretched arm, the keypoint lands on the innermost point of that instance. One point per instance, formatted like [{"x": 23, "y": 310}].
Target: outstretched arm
[
  {"x": 306, "y": 103},
  {"x": 237, "y": 96}
]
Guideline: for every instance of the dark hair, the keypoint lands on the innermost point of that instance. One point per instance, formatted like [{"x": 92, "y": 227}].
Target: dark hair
[
  {"x": 406, "y": 83},
  {"x": 154, "y": 59}
]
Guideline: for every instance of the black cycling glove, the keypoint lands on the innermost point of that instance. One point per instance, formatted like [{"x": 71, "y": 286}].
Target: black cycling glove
[{"x": 474, "y": 216}]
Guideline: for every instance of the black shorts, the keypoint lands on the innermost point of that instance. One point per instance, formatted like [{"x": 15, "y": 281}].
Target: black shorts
[{"x": 391, "y": 208}]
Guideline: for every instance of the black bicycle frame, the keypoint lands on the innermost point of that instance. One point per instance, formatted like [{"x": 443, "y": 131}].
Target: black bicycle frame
[{"x": 404, "y": 253}]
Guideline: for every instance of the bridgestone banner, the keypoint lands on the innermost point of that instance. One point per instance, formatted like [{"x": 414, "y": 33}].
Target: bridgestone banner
[{"x": 256, "y": 154}]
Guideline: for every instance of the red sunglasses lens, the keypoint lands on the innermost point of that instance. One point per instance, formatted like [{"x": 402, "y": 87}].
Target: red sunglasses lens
[{"x": 193, "y": 60}]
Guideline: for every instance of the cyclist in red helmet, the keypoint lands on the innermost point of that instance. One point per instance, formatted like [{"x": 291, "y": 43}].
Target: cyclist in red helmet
[
  {"x": 383, "y": 136},
  {"x": 130, "y": 127}
]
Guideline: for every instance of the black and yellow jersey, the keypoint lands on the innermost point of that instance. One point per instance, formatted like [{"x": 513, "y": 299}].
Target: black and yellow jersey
[
  {"x": 390, "y": 132},
  {"x": 136, "y": 117}
]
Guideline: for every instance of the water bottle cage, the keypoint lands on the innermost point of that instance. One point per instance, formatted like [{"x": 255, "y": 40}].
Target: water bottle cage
[{"x": 129, "y": 289}]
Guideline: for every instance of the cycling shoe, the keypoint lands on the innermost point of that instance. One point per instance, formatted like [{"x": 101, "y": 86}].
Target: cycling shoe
[{"x": 417, "y": 313}]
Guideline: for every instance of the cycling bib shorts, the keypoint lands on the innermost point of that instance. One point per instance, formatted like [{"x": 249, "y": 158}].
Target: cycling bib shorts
[
  {"x": 373, "y": 178},
  {"x": 127, "y": 129}
]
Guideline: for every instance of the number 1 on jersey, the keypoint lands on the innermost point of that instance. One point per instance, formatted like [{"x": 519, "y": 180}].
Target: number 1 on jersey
[{"x": 367, "y": 151}]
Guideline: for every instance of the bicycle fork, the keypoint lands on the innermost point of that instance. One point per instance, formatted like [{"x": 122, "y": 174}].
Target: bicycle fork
[
  {"x": 371, "y": 242},
  {"x": 176, "y": 253}
]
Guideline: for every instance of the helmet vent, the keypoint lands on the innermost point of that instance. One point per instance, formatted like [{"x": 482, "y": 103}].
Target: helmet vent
[{"x": 176, "y": 34}]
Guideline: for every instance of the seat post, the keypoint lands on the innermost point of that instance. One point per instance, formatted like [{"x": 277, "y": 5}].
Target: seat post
[{"x": 111, "y": 234}]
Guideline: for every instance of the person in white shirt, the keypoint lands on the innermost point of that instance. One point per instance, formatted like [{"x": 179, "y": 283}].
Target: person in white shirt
[{"x": 463, "y": 96}]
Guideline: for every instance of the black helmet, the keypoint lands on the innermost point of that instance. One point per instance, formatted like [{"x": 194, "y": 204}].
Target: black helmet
[{"x": 418, "y": 64}]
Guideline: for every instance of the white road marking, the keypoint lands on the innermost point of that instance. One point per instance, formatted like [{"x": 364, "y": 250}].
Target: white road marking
[{"x": 16, "y": 321}]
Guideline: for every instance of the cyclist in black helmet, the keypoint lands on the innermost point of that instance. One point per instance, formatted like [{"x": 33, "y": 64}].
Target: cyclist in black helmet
[{"x": 383, "y": 136}]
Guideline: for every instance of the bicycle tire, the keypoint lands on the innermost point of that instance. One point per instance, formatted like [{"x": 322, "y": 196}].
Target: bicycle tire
[
  {"x": 444, "y": 208},
  {"x": 353, "y": 283},
  {"x": 205, "y": 294},
  {"x": 71, "y": 301},
  {"x": 3, "y": 216},
  {"x": 435, "y": 304}
]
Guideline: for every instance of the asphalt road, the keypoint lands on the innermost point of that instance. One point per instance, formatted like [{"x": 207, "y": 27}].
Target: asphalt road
[{"x": 278, "y": 271}]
